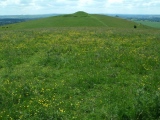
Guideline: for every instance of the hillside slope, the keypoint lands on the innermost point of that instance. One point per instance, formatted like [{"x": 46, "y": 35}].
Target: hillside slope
[
  {"x": 78, "y": 19},
  {"x": 117, "y": 22},
  {"x": 91, "y": 73}
]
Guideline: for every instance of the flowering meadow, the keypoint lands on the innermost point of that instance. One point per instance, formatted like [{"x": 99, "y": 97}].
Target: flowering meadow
[{"x": 80, "y": 74}]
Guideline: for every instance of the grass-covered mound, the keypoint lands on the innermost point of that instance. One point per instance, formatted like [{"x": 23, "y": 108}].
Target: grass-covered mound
[
  {"x": 78, "y": 19},
  {"x": 80, "y": 73},
  {"x": 78, "y": 14}
]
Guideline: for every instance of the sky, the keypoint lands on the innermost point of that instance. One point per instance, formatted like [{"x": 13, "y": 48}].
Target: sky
[{"x": 27, "y": 7}]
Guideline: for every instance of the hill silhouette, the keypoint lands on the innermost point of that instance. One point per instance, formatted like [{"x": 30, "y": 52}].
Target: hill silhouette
[{"x": 78, "y": 19}]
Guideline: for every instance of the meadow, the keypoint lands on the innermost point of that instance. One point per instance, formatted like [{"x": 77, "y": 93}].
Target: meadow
[
  {"x": 150, "y": 23},
  {"x": 80, "y": 73}
]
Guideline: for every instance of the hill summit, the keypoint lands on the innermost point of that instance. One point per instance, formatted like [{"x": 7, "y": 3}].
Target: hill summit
[
  {"x": 77, "y": 19},
  {"x": 77, "y": 14},
  {"x": 81, "y": 14}
]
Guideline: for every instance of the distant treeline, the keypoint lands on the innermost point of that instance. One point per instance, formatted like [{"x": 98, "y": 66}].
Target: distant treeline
[
  {"x": 6, "y": 21},
  {"x": 153, "y": 19},
  {"x": 10, "y": 19}
]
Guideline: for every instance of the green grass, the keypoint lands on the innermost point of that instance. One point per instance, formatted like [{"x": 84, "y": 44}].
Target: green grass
[
  {"x": 80, "y": 73},
  {"x": 117, "y": 22},
  {"x": 78, "y": 19},
  {"x": 149, "y": 23}
]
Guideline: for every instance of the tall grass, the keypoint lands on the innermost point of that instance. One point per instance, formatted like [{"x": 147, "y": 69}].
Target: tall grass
[{"x": 80, "y": 73}]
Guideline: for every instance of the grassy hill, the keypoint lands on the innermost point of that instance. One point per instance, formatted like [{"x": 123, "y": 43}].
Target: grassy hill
[
  {"x": 105, "y": 72},
  {"x": 78, "y": 19},
  {"x": 149, "y": 23}
]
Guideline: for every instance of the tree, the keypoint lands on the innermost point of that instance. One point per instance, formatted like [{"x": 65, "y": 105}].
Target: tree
[{"x": 135, "y": 26}]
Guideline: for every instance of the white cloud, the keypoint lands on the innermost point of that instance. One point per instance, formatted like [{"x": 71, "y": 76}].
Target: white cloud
[
  {"x": 4, "y": 3},
  {"x": 85, "y": 2},
  {"x": 115, "y": 1},
  {"x": 69, "y": 6},
  {"x": 151, "y": 3}
]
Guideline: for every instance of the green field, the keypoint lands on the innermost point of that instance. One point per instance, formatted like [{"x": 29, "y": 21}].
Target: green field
[
  {"x": 78, "y": 19},
  {"x": 79, "y": 73},
  {"x": 149, "y": 23}
]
